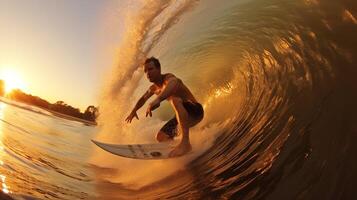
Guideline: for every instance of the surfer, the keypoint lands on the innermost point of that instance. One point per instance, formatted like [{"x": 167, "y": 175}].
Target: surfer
[{"x": 188, "y": 112}]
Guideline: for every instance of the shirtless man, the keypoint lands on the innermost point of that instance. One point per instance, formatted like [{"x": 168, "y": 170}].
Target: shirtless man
[{"x": 188, "y": 112}]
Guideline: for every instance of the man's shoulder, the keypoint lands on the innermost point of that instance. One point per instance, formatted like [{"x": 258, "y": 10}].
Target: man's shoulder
[
  {"x": 169, "y": 76},
  {"x": 154, "y": 89}
]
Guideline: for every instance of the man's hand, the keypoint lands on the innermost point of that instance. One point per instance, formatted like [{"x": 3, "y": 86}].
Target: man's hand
[
  {"x": 152, "y": 106},
  {"x": 131, "y": 116}
]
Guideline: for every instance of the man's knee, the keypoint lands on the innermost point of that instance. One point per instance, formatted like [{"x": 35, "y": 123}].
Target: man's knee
[{"x": 162, "y": 137}]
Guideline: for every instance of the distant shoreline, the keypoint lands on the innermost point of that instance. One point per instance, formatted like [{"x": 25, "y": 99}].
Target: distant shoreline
[
  {"x": 68, "y": 117},
  {"x": 54, "y": 113}
]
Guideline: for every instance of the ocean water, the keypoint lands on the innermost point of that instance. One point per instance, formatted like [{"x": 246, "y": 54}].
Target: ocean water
[
  {"x": 277, "y": 82},
  {"x": 43, "y": 156}
]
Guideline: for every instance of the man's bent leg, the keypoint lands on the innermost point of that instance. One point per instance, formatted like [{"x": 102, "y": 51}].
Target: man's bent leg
[
  {"x": 168, "y": 131},
  {"x": 163, "y": 137},
  {"x": 183, "y": 125}
]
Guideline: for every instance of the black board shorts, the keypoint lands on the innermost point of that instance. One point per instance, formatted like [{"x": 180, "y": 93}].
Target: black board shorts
[{"x": 194, "y": 110}]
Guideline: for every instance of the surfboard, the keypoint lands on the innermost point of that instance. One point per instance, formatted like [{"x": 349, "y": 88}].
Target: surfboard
[{"x": 139, "y": 151}]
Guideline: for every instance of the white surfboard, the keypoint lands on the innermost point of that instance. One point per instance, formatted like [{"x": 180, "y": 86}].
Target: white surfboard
[{"x": 139, "y": 151}]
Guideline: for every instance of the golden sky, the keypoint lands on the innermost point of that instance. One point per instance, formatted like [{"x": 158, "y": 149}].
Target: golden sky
[{"x": 58, "y": 50}]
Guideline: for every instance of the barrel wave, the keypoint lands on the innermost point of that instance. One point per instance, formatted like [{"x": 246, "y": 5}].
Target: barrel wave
[{"x": 276, "y": 79}]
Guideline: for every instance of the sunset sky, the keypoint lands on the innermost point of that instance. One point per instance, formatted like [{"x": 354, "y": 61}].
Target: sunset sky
[{"x": 59, "y": 50}]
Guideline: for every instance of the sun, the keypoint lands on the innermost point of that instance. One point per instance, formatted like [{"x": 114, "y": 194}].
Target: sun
[{"x": 12, "y": 80}]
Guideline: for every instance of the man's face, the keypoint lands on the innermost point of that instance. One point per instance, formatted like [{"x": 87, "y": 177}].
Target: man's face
[{"x": 152, "y": 72}]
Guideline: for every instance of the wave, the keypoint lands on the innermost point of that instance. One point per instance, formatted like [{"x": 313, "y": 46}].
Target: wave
[{"x": 277, "y": 83}]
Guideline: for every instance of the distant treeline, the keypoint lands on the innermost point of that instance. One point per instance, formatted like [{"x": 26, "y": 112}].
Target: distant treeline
[{"x": 89, "y": 114}]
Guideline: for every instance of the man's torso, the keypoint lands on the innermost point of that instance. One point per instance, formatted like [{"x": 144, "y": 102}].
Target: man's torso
[{"x": 181, "y": 91}]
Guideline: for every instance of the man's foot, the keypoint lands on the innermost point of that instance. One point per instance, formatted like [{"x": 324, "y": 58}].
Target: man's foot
[{"x": 181, "y": 149}]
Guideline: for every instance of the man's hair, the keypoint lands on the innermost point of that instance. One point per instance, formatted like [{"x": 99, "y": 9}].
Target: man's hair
[{"x": 155, "y": 61}]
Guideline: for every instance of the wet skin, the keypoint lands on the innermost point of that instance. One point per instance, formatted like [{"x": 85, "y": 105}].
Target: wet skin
[{"x": 168, "y": 87}]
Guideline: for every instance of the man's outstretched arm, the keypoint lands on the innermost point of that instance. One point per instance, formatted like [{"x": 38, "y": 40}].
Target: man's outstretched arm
[{"x": 139, "y": 104}]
